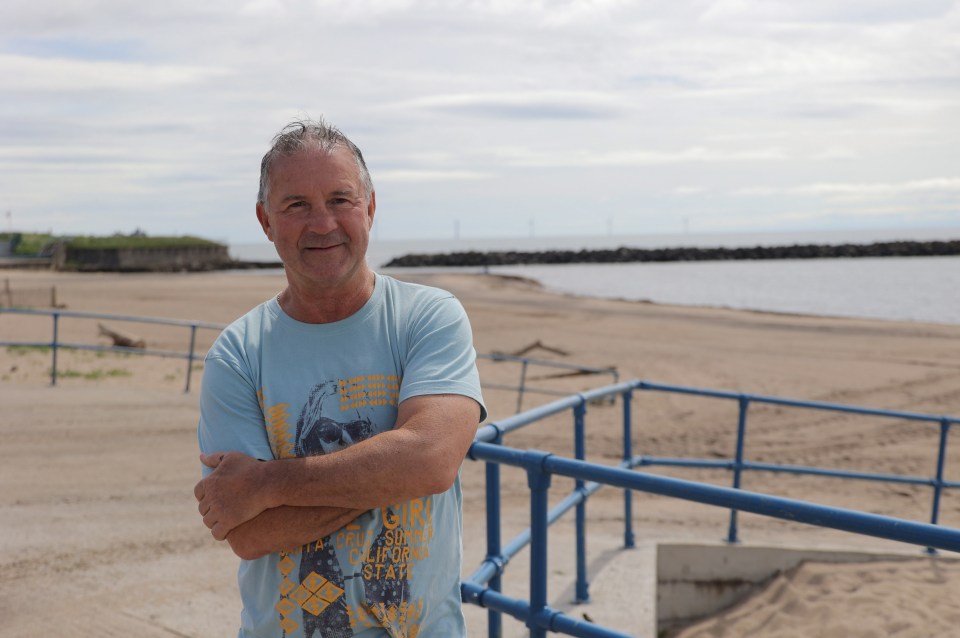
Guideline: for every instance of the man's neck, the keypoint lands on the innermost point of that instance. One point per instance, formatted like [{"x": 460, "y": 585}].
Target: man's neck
[{"x": 309, "y": 304}]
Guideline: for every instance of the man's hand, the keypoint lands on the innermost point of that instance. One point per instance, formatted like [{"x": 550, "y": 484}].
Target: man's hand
[{"x": 231, "y": 495}]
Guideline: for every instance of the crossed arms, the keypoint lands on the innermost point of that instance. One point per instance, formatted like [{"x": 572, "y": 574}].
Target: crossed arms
[{"x": 260, "y": 507}]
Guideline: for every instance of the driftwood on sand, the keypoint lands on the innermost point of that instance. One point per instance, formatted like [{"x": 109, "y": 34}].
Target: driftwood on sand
[{"x": 122, "y": 339}]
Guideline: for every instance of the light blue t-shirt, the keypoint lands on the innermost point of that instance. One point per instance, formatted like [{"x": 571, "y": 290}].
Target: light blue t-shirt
[{"x": 275, "y": 388}]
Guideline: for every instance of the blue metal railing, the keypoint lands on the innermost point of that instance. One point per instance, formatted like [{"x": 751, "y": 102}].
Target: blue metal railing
[
  {"x": 191, "y": 355},
  {"x": 55, "y": 344},
  {"x": 483, "y": 587},
  {"x": 525, "y": 362}
]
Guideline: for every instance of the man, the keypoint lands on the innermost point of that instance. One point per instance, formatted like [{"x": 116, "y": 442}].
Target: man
[{"x": 334, "y": 419}]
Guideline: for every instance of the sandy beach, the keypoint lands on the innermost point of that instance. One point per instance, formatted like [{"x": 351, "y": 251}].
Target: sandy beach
[{"x": 99, "y": 533}]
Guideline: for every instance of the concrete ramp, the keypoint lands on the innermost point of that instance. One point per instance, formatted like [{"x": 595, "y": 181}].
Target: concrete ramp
[{"x": 695, "y": 581}]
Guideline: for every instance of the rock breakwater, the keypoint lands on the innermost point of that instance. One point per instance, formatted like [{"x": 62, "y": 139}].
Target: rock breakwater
[{"x": 625, "y": 254}]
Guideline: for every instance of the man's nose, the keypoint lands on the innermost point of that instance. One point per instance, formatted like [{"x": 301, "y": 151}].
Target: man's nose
[{"x": 321, "y": 220}]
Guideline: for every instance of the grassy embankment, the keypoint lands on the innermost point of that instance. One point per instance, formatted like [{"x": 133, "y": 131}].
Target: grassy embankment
[{"x": 31, "y": 244}]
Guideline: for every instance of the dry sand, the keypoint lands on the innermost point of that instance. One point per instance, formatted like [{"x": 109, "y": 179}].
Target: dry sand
[{"x": 99, "y": 533}]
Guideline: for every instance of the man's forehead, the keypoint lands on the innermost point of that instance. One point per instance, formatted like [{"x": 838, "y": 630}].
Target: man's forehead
[
  {"x": 315, "y": 154},
  {"x": 336, "y": 166}
]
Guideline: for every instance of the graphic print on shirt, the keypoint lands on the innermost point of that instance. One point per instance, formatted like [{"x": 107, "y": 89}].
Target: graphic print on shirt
[{"x": 336, "y": 415}]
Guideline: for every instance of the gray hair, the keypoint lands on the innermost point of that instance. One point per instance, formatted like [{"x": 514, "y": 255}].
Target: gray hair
[{"x": 301, "y": 134}]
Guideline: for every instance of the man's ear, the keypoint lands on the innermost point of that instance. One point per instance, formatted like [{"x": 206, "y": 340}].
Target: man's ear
[
  {"x": 264, "y": 221},
  {"x": 371, "y": 209}
]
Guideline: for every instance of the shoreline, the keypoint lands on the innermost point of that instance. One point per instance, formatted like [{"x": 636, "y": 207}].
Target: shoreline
[
  {"x": 917, "y": 289},
  {"x": 428, "y": 274}
]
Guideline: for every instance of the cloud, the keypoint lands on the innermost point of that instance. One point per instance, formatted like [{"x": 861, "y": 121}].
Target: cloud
[
  {"x": 727, "y": 109},
  {"x": 426, "y": 175},
  {"x": 25, "y": 73},
  {"x": 684, "y": 191},
  {"x": 828, "y": 11},
  {"x": 633, "y": 157},
  {"x": 859, "y": 191},
  {"x": 520, "y": 105},
  {"x": 863, "y": 191},
  {"x": 834, "y": 152}
]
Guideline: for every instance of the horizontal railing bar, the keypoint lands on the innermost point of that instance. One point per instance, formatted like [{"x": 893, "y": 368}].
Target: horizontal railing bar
[
  {"x": 876, "y": 525},
  {"x": 96, "y": 315},
  {"x": 773, "y": 467},
  {"x": 490, "y": 599},
  {"x": 590, "y": 395},
  {"x": 819, "y": 471},
  {"x": 526, "y": 389},
  {"x": 98, "y": 348},
  {"x": 678, "y": 389},
  {"x": 26, "y": 344},
  {"x": 607, "y": 391},
  {"x": 680, "y": 462},
  {"x": 774, "y": 506},
  {"x": 480, "y": 450},
  {"x": 490, "y": 431},
  {"x": 795, "y": 403},
  {"x": 552, "y": 620}
]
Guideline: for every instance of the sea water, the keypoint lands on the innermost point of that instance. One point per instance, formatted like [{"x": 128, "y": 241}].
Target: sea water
[{"x": 924, "y": 289}]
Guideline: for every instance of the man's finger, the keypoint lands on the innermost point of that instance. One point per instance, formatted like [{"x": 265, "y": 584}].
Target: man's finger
[
  {"x": 209, "y": 519},
  {"x": 219, "y": 532},
  {"x": 198, "y": 491},
  {"x": 212, "y": 460}
]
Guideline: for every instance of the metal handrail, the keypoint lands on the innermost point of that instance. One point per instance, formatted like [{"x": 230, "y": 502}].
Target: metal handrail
[
  {"x": 483, "y": 587},
  {"x": 55, "y": 344},
  {"x": 191, "y": 355}
]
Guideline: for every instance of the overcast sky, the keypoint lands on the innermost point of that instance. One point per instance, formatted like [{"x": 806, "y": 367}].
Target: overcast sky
[{"x": 488, "y": 118}]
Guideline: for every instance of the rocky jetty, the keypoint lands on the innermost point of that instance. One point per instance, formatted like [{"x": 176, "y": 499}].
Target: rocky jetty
[{"x": 625, "y": 254}]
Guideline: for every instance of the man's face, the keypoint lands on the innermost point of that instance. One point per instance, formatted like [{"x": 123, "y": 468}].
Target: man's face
[{"x": 318, "y": 217}]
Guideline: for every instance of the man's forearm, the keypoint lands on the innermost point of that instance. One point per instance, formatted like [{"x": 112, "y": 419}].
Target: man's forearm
[
  {"x": 421, "y": 456},
  {"x": 287, "y": 528}
]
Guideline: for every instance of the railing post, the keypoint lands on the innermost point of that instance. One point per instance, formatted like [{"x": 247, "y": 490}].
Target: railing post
[
  {"x": 193, "y": 343},
  {"x": 580, "y": 453},
  {"x": 523, "y": 385},
  {"x": 938, "y": 481},
  {"x": 494, "y": 550},
  {"x": 738, "y": 463},
  {"x": 628, "y": 538},
  {"x": 538, "y": 480},
  {"x": 53, "y": 348}
]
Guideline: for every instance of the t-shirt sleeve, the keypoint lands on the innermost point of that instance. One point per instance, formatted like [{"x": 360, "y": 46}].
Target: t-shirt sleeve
[
  {"x": 231, "y": 419},
  {"x": 440, "y": 355}
]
